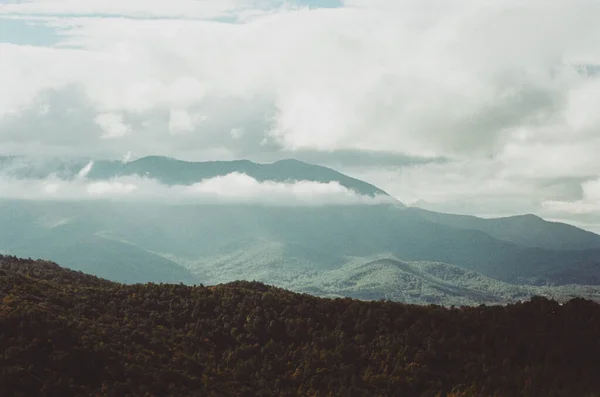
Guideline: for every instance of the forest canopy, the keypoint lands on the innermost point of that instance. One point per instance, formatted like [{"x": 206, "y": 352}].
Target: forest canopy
[{"x": 65, "y": 333}]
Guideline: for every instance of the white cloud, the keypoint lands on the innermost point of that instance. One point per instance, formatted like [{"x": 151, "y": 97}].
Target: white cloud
[
  {"x": 181, "y": 122},
  {"x": 85, "y": 170},
  {"x": 580, "y": 114},
  {"x": 127, "y": 157},
  {"x": 470, "y": 184},
  {"x": 236, "y": 133},
  {"x": 114, "y": 188},
  {"x": 232, "y": 188},
  {"x": 572, "y": 207},
  {"x": 112, "y": 125}
]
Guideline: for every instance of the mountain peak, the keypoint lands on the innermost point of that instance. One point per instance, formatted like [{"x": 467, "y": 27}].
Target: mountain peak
[
  {"x": 167, "y": 159},
  {"x": 525, "y": 217},
  {"x": 290, "y": 161}
]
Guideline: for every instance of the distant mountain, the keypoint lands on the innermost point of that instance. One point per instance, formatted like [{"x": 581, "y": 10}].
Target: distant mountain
[
  {"x": 108, "y": 259},
  {"x": 221, "y": 243},
  {"x": 41, "y": 231},
  {"x": 170, "y": 171},
  {"x": 528, "y": 230}
]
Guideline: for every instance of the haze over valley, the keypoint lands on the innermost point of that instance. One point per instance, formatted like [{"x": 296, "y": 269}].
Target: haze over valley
[{"x": 298, "y": 226}]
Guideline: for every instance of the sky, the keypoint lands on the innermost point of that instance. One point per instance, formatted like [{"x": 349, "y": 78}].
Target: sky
[{"x": 463, "y": 106}]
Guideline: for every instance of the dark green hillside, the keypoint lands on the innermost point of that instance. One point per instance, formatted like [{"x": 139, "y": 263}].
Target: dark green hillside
[{"x": 64, "y": 333}]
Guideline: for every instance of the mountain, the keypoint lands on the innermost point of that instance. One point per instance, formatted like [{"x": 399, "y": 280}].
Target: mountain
[
  {"x": 38, "y": 230},
  {"x": 171, "y": 171},
  {"x": 220, "y": 243},
  {"x": 325, "y": 237},
  {"x": 67, "y": 333},
  {"x": 529, "y": 230},
  {"x": 297, "y": 247}
]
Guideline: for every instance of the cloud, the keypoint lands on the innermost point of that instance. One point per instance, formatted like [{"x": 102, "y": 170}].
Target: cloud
[
  {"x": 85, "y": 170},
  {"x": 474, "y": 107},
  {"x": 588, "y": 204},
  {"x": 112, "y": 125},
  {"x": 485, "y": 188},
  {"x": 181, "y": 122},
  {"x": 421, "y": 81},
  {"x": 234, "y": 188}
]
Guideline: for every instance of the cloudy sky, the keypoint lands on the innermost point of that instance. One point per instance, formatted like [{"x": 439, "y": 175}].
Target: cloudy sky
[{"x": 481, "y": 107}]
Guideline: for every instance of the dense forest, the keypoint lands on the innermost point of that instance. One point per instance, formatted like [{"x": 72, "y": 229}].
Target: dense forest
[{"x": 64, "y": 333}]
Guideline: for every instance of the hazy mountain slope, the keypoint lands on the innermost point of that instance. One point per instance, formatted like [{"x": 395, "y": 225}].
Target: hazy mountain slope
[
  {"x": 322, "y": 237},
  {"x": 278, "y": 244},
  {"x": 261, "y": 260},
  {"x": 70, "y": 233},
  {"x": 529, "y": 230},
  {"x": 109, "y": 259}
]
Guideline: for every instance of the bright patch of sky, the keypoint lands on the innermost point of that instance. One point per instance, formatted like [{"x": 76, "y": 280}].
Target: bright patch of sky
[
  {"x": 27, "y": 32},
  {"x": 27, "y": 29},
  {"x": 320, "y": 3}
]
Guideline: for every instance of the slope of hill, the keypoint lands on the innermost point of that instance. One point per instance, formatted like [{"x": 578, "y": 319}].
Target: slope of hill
[
  {"x": 65, "y": 333},
  {"x": 107, "y": 258},
  {"x": 429, "y": 283},
  {"x": 384, "y": 278},
  {"x": 326, "y": 236},
  {"x": 71, "y": 233},
  {"x": 414, "y": 282},
  {"x": 528, "y": 230},
  {"x": 275, "y": 242}
]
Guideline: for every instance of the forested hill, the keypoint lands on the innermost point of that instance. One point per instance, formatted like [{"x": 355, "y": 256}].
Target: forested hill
[{"x": 63, "y": 333}]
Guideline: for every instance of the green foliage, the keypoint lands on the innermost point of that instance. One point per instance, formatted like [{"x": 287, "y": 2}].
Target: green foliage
[{"x": 65, "y": 333}]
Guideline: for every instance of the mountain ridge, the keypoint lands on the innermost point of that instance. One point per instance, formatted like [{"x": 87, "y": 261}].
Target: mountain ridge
[
  {"x": 171, "y": 171},
  {"x": 527, "y": 228}
]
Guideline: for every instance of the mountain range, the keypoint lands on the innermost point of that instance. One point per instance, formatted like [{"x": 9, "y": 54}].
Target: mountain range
[{"x": 370, "y": 251}]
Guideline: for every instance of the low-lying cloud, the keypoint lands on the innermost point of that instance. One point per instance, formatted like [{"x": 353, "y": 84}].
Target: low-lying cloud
[
  {"x": 588, "y": 204},
  {"x": 233, "y": 188}
]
